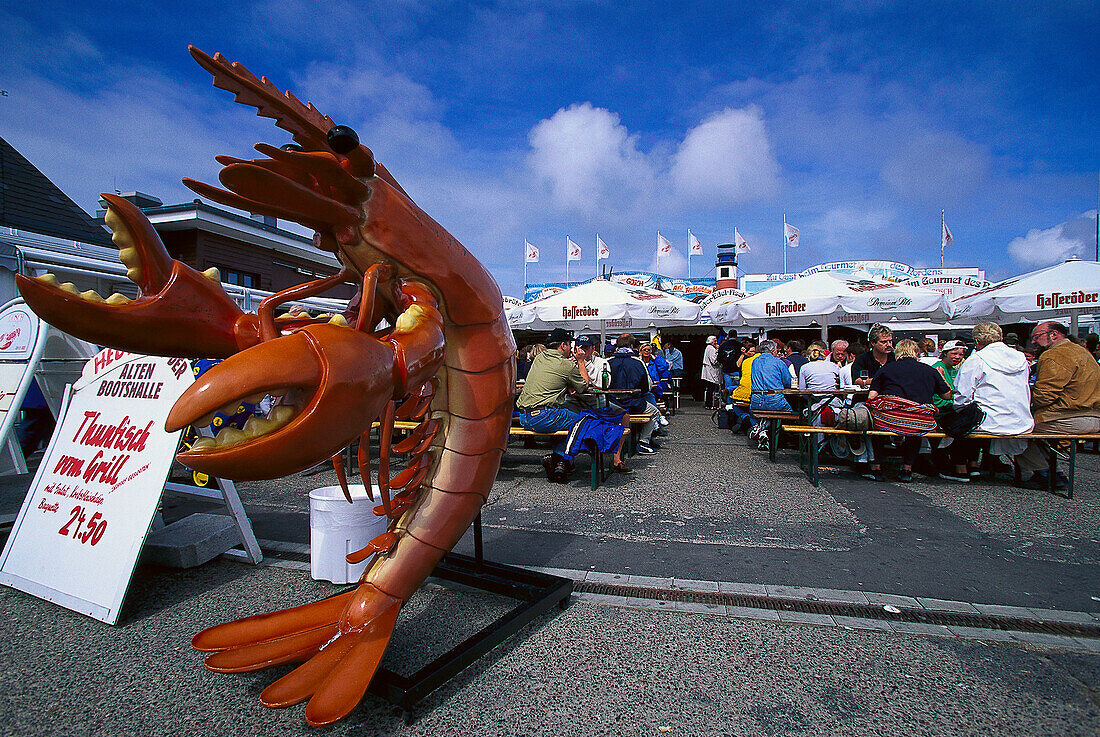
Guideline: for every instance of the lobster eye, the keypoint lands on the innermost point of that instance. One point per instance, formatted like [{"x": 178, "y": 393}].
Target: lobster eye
[{"x": 342, "y": 139}]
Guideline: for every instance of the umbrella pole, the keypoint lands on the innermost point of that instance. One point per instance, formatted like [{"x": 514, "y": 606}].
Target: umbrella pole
[
  {"x": 1073, "y": 322},
  {"x": 825, "y": 329}
]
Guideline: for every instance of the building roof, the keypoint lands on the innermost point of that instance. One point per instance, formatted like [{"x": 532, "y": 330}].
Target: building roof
[{"x": 30, "y": 202}]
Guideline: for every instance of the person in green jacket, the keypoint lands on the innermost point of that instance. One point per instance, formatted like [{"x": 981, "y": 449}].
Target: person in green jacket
[{"x": 951, "y": 355}]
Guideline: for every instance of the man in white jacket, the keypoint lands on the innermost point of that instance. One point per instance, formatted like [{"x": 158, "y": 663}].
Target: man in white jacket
[{"x": 995, "y": 376}]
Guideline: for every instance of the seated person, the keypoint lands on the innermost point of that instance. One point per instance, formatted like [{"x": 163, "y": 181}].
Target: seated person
[
  {"x": 908, "y": 378},
  {"x": 769, "y": 373},
  {"x": 821, "y": 374},
  {"x": 951, "y": 357},
  {"x": 628, "y": 373},
  {"x": 995, "y": 376},
  {"x": 1064, "y": 399},
  {"x": 742, "y": 393},
  {"x": 541, "y": 408},
  {"x": 658, "y": 369}
]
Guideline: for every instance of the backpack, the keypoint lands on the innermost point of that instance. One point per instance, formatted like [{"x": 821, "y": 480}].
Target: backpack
[
  {"x": 728, "y": 353},
  {"x": 856, "y": 418},
  {"x": 960, "y": 420}
]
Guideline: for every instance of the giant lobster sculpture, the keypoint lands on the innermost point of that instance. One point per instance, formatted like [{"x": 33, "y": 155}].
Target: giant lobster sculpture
[{"x": 444, "y": 360}]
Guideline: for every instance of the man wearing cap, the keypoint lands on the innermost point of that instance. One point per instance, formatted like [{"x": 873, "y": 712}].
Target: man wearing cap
[
  {"x": 1064, "y": 399},
  {"x": 594, "y": 364},
  {"x": 541, "y": 407}
]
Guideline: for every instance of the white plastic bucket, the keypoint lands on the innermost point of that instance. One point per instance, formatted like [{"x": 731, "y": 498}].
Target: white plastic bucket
[{"x": 337, "y": 528}]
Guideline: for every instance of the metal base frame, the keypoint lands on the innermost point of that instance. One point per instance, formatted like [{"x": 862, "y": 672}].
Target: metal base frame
[{"x": 536, "y": 593}]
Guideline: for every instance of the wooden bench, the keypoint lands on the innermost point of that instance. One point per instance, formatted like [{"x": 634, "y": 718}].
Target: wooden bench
[{"x": 808, "y": 451}]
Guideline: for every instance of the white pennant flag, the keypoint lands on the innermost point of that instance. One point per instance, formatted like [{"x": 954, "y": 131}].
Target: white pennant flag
[
  {"x": 531, "y": 254},
  {"x": 739, "y": 241},
  {"x": 791, "y": 234},
  {"x": 695, "y": 248},
  {"x": 945, "y": 236},
  {"x": 572, "y": 250},
  {"x": 664, "y": 246},
  {"x": 602, "y": 250}
]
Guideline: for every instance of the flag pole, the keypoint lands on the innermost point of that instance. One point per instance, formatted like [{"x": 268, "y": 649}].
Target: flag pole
[
  {"x": 689, "y": 253},
  {"x": 784, "y": 243},
  {"x": 524, "y": 269},
  {"x": 567, "y": 261},
  {"x": 658, "y": 253},
  {"x": 943, "y": 224}
]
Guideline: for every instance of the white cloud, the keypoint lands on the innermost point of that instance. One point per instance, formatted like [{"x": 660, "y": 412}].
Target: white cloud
[
  {"x": 1046, "y": 247},
  {"x": 590, "y": 161},
  {"x": 726, "y": 159}
]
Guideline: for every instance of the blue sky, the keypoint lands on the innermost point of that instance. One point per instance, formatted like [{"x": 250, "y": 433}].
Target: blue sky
[{"x": 858, "y": 121}]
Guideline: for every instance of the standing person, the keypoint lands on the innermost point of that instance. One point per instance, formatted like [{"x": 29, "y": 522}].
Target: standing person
[
  {"x": 995, "y": 376},
  {"x": 541, "y": 407},
  {"x": 729, "y": 356},
  {"x": 711, "y": 373},
  {"x": 909, "y": 379},
  {"x": 867, "y": 366},
  {"x": 628, "y": 373},
  {"x": 1064, "y": 399},
  {"x": 675, "y": 359},
  {"x": 839, "y": 352}
]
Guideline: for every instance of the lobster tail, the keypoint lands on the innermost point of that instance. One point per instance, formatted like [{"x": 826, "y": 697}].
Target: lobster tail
[{"x": 340, "y": 657}]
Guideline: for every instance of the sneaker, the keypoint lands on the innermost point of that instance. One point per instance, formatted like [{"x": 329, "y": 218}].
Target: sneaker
[
  {"x": 660, "y": 433},
  {"x": 975, "y": 475},
  {"x": 662, "y": 422},
  {"x": 655, "y": 444},
  {"x": 905, "y": 476},
  {"x": 645, "y": 448},
  {"x": 621, "y": 468},
  {"x": 962, "y": 478}
]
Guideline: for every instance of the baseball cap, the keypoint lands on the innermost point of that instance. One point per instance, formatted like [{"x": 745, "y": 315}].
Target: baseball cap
[
  {"x": 952, "y": 345},
  {"x": 558, "y": 336},
  {"x": 586, "y": 341}
]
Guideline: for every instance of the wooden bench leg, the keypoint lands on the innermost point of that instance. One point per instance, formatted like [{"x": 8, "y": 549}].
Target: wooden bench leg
[
  {"x": 1072, "y": 467},
  {"x": 773, "y": 439},
  {"x": 815, "y": 475}
]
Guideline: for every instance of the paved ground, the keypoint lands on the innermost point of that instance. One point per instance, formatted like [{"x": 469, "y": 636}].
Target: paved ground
[{"x": 707, "y": 508}]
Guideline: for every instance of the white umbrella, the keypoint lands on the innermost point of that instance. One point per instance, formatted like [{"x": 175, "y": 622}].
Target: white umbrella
[
  {"x": 827, "y": 298},
  {"x": 1068, "y": 289},
  {"x": 602, "y": 305}
]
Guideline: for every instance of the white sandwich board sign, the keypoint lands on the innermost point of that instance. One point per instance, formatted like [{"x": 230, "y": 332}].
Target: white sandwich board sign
[{"x": 84, "y": 521}]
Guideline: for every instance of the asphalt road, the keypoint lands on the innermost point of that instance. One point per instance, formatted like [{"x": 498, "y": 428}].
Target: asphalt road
[{"x": 706, "y": 508}]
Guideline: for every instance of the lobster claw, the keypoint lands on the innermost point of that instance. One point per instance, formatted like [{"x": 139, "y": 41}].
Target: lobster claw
[
  {"x": 180, "y": 312},
  {"x": 333, "y": 381}
]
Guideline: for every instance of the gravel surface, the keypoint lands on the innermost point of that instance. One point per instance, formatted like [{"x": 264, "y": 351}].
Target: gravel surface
[{"x": 590, "y": 670}]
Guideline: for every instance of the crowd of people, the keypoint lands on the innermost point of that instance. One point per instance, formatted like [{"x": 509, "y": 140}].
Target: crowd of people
[
  {"x": 568, "y": 385},
  {"x": 997, "y": 387}
]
